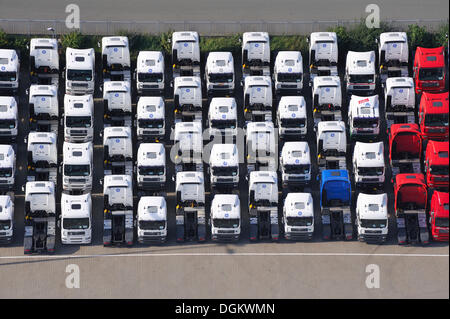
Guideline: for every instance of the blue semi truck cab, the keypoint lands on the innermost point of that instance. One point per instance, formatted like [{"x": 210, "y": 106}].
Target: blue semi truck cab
[{"x": 335, "y": 201}]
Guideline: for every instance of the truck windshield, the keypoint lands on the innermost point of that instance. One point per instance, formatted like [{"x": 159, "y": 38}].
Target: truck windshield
[
  {"x": 296, "y": 169},
  {"x": 187, "y": 87},
  {"x": 436, "y": 119},
  {"x": 362, "y": 78},
  {"x": 220, "y": 77},
  {"x": 365, "y": 122},
  {"x": 373, "y": 223},
  {"x": 151, "y": 123},
  {"x": 299, "y": 221},
  {"x": 7, "y": 124},
  {"x": 224, "y": 171},
  {"x": 5, "y": 172},
  {"x": 150, "y": 77},
  {"x": 5, "y": 224},
  {"x": 370, "y": 171},
  {"x": 79, "y": 75},
  {"x": 441, "y": 222},
  {"x": 226, "y": 223},
  {"x": 43, "y": 47},
  {"x": 293, "y": 123},
  {"x": 289, "y": 77},
  {"x": 75, "y": 223},
  {"x": 151, "y": 170},
  {"x": 76, "y": 170},
  {"x": 152, "y": 224},
  {"x": 8, "y": 76},
  {"x": 78, "y": 121},
  {"x": 431, "y": 74},
  {"x": 439, "y": 170},
  {"x": 223, "y": 124}
]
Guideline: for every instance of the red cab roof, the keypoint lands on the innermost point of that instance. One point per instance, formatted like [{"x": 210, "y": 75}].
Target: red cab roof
[
  {"x": 434, "y": 103},
  {"x": 430, "y": 57},
  {"x": 437, "y": 152},
  {"x": 441, "y": 198},
  {"x": 404, "y": 179},
  {"x": 414, "y": 143},
  {"x": 410, "y": 188}
]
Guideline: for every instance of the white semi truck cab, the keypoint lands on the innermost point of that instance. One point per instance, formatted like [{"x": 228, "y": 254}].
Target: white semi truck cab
[
  {"x": 224, "y": 166},
  {"x": 76, "y": 219},
  {"x": 78, "y": 118},
  {"x": 118, "y": 222},
  {"x": 8, "y": 118},
  {"x": 80, "y": 71},
  {"x": 116, "y": 61},
  {"x": 42, "y": 155},
  {"x": 295, "y": 164},
  {"x": 150, "y": 72},
  {"x": 151, "y": 219},
  {"x": 288, "y": 72},
  {"x": 9, "y": 71},
  {"x": 258, "y": 98},
  {"x": 255, "y": 54},
  {"x": 117, "y": 103},
  {"x": 6, "y": 219},
  {"x": 150, "y": 118},
  {"x": 372, "y": 217},
  {"x": 393, "y": 55},
  {"x": 44, "y": 108},
  {"x": 40, "y": 218},
  {"x": 263, "y": 205},
  {"x": 77, "y": 166},
  {"x": 7, "y": 167},
  {"x": 222, "y": 119},
  {"x": 151, "y": 166},
  {"x": 298, "y": 216},
  {"x": 44, "y": 61},
  {"x": 327, "y": 99},
  {"x": 399, "y": 97},
  {"x": 331, "y": 145},
  {"x": 291, "y": 117},
  {"x": 323, "y": 54},
  {"x": 364, "y": 116},
  {"x": 225, "y": 218},
  {"x": 187, "y": 95},
  {"x": 219, "y": 73},
  {"x": 117, "y": 150},
  {"x": 360, "y": 73},
  {"x": 368, "y": 164},
  {"x": 189, "y": 140},
  {"x": 190, "y": 209},
  {"x": 261, "y": 147},
  {"x": 185, "y": 53}
]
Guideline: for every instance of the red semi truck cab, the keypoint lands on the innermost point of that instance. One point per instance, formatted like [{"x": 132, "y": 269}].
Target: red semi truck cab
[
  {"x": 439, "y": 216},
  {"x": 433, "y": 116},
  {"x": 436, "y": 164},
  {"x": 429, "y": 70},
  {"x": 405, "y": 148}
]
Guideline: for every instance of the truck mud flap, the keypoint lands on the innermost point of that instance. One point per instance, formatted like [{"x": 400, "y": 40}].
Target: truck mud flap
[
  {"x": 423, "y": 229},
  {"x": 274, "y": 227},
  {"x": 50, "y": 243},
  {"x": 107, "y": 235},
  {"x": 129, "y": 236},
  {"x": 253, "y": 228},
  {"x": 401, "y": 231},
  {"x": 201, "y": 232},
  {"x": 28, "y": 240},
  {"x": 326, "y": 227},
  {"x": 180, "y": 228},
  {"x": 348, "y": 230}
]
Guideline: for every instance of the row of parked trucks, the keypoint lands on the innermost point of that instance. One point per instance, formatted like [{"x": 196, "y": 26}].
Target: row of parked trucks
[{"x": 261, "y": 152}]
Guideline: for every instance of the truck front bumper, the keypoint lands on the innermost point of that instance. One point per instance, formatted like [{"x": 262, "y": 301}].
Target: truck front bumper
[{"x": 298, "y": 236}]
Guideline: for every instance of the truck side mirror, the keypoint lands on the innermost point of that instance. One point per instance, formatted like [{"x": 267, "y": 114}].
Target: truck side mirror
[
  {"x": 98, "y": 44},
  {"x": 171, "y": 83},
  {"x": 173, "y": 178},
  {"x": 23, "y": 188},
  {"x": 101, "y": 88},
  {"x": 101, "y": 181},
  {"x": 27, "y": 92}
]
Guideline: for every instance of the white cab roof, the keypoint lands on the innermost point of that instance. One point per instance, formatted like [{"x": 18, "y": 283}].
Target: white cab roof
[
  {"x": 150, "y": 62},
  {"x": 372, "y": 206},
  {"x": 224, "y": 155},
  {"x": 6, "y": 207},
  {"x": 365, "y": 106},
  {"x": 255, "y": 36},
  {"x": 117, "y": 132},
  {"x": 360, "y": 62},
  {"x": 9, "y": 60},
  {"x": 121, "y": 86},
  {"x": 47, "y": 42},
  {"x": 323, "y": 36},
  {"x": 8, "y": 107},
  {"x": 77, "y": 153},
  {"x": 399, "y": 82},
  {"x": 223, "y": 108},
  {"x": 151, "y": 154},
  {"x": 296, "y": 153},
  {"x": 327, "y": 81},
  {"x": 258, "y": 80},
  {"x": 289, "y": 61},
  {"x": 187, "y": 81},
  {"x": 152, "y": 107},
  {"x": 189, "y": 177},
  {"x": 78, "y": 105},
  {"x": 7, "y": 156},
  {"x": 220, "y": 62},
  {"x": 393, "y": 37},
  {"x": 80, "y": 59},
  {"x": 299, "y": 205},
  {"x": 325, "y": 126},
  {"x": 369, "y": 154},
  {"x": 184, "y": 36},
  {"x": 292, "y": 107},
  {"x": 152, "y": 208},
  {"x": 117, "y": 181},
  {"x": 36, "y": 89},
  {"x": 114, "y": 41},
  {"x": 225, "y": 206},
  {"x": 263, "y": 177},
  {"x": 76, "y": 206}
]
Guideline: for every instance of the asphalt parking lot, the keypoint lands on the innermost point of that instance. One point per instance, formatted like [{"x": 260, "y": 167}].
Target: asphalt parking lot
[{"x": 314, "y": 269}]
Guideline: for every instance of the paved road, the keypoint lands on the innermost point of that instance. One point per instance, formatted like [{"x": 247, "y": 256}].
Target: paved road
[{"x": 230, "y": 10}]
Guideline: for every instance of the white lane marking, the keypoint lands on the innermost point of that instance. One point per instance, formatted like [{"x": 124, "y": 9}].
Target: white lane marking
[{"x": 223, "y": 254}]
